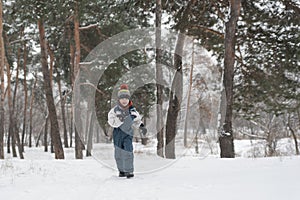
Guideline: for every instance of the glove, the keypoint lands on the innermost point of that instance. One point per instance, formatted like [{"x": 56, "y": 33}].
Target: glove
[
  {"x": 143, "y": 129},
  {"x": 121, "y": 117},
  {"x": 133, "y": 115}
]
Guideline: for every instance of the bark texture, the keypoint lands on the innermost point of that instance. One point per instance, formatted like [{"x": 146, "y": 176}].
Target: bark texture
[
  {"x": 226, "y": 138},
  {"x": 55, "y": 135},
  {"x": 159, "y": 80}
]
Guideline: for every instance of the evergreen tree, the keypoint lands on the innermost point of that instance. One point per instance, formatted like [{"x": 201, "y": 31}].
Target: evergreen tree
[{"x": 270, "y": 69}]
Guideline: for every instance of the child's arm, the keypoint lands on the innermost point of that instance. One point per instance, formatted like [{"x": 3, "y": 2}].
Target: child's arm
[
  {"x": 113, "y": 120},
  {"x": 137, "y": 119}
]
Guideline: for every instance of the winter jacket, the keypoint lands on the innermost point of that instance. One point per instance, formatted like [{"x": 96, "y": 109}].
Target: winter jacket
[{"x": 124, "y": 118}]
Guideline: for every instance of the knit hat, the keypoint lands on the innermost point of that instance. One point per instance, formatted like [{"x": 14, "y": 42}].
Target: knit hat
[{"x": 124, "y": 92}]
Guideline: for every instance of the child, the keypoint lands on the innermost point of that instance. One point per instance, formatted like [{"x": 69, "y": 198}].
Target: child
[{"x": 122, "y": 117}]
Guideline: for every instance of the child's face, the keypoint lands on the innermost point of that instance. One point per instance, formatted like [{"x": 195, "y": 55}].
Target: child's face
[{"x": 124, "y": 101}]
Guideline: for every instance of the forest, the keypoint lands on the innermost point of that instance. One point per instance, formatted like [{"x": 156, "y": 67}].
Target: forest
[{"x": 200, "y": 72}]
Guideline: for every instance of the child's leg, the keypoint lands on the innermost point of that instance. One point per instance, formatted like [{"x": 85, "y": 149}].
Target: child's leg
[
  {"x": 118, "y": 150},
  {"x": 128, "y": 154},
  {"x": 119, "y": 158}
]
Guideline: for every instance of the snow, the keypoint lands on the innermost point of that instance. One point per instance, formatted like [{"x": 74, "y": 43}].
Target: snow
[{"x": 42, "y": 177}]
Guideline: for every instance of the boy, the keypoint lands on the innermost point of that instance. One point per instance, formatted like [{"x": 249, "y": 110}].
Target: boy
[{"x": 122, "y": 117}]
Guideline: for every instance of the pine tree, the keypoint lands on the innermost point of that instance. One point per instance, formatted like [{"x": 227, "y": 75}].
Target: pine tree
[
  {"x": 55, "y": 135},
  {"x": 226, "y": 139},
  {"x": 268, "y": 80}
]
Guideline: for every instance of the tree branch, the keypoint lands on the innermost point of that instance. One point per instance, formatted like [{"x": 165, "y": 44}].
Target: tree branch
[
  {"x": 92, "y": 85},
  {"x": 254, "y": 136},
  {"x": 206, "y": 29},
  {"x": 88, "y": 27}
]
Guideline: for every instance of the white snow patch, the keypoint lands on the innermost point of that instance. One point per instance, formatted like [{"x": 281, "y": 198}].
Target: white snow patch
[{"x": 42, "y": 177}]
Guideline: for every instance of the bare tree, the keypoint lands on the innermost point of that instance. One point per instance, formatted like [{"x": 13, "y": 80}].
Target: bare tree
[{"x": 226, "y": 138}]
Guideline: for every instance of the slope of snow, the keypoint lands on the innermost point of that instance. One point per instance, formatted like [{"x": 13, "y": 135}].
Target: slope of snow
[{"x": 40, "y": 177}]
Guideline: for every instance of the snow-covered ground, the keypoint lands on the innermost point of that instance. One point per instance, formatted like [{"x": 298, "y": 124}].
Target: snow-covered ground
[{"x": 41, "y": 177}]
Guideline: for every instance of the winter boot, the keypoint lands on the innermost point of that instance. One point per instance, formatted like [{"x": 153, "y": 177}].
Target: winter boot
[
  {"x": 122, "y": 174},
  {"x": 129, "y": 174}
]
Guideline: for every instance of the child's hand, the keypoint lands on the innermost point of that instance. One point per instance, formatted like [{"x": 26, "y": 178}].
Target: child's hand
[
  {"x": 143, "y": 129},
  {"x": 121, "y": 117},
  {"x": 133, "y": 114}
]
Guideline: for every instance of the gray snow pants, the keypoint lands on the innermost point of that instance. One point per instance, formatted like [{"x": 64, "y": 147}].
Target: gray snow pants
[{"x": 123, "y": 150}]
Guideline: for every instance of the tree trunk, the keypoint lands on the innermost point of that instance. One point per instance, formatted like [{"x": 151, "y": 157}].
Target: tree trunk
[
  {"x": 144, "y": 139},
  {"x": 71, "y": 126},
  {"x": 11, "y": 137},
  {"x": 294, "y": 136},
  {"x": 188, "y": 102},
  {"x": 175, "y": 100},
  {"x": 30, "y": 112},
  {"x": 72, "y": 79},
  {"x": 226, "y": 138},
  {"x": 16, "y": 135},
  {"x": 25, "y": 96},
  {"x": 90, "y": 135},
  {"x": 159, "y": 81},
  {"x": 63, "y": 96},
  {"x": 13, "y": 129},
  {"x": 59, "y": 153},
  {"x": 78, "y": 126},
  {"x": 46, "y": 134},
  {"x": 2, "y": 56},
  {"x": 51, "y": 55}
]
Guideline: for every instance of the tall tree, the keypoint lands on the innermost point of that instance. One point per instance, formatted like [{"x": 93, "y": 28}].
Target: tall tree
[
  {"x": 269, "y": 79},
  {"x": 189, "y": 98},
  {"x": 55, "y": 135},
  {"x": 159, "y": 81},
  {"x": 175, "y": 97},
  {"x": 226, "y": 138},
  {"x": 13, "y": 129},
  {"x": 63, "y": 96},
  {"x": 33, "y": 91},
  {"x": 78, "y": 126},
  {"x": 2, "y": 55},
  {"x": 25, "y": 95}
]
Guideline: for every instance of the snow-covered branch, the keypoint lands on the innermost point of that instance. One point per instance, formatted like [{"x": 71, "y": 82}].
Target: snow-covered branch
[
  {"x": 254, "y": 136},
  {"x": 88, "y": 27}
]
